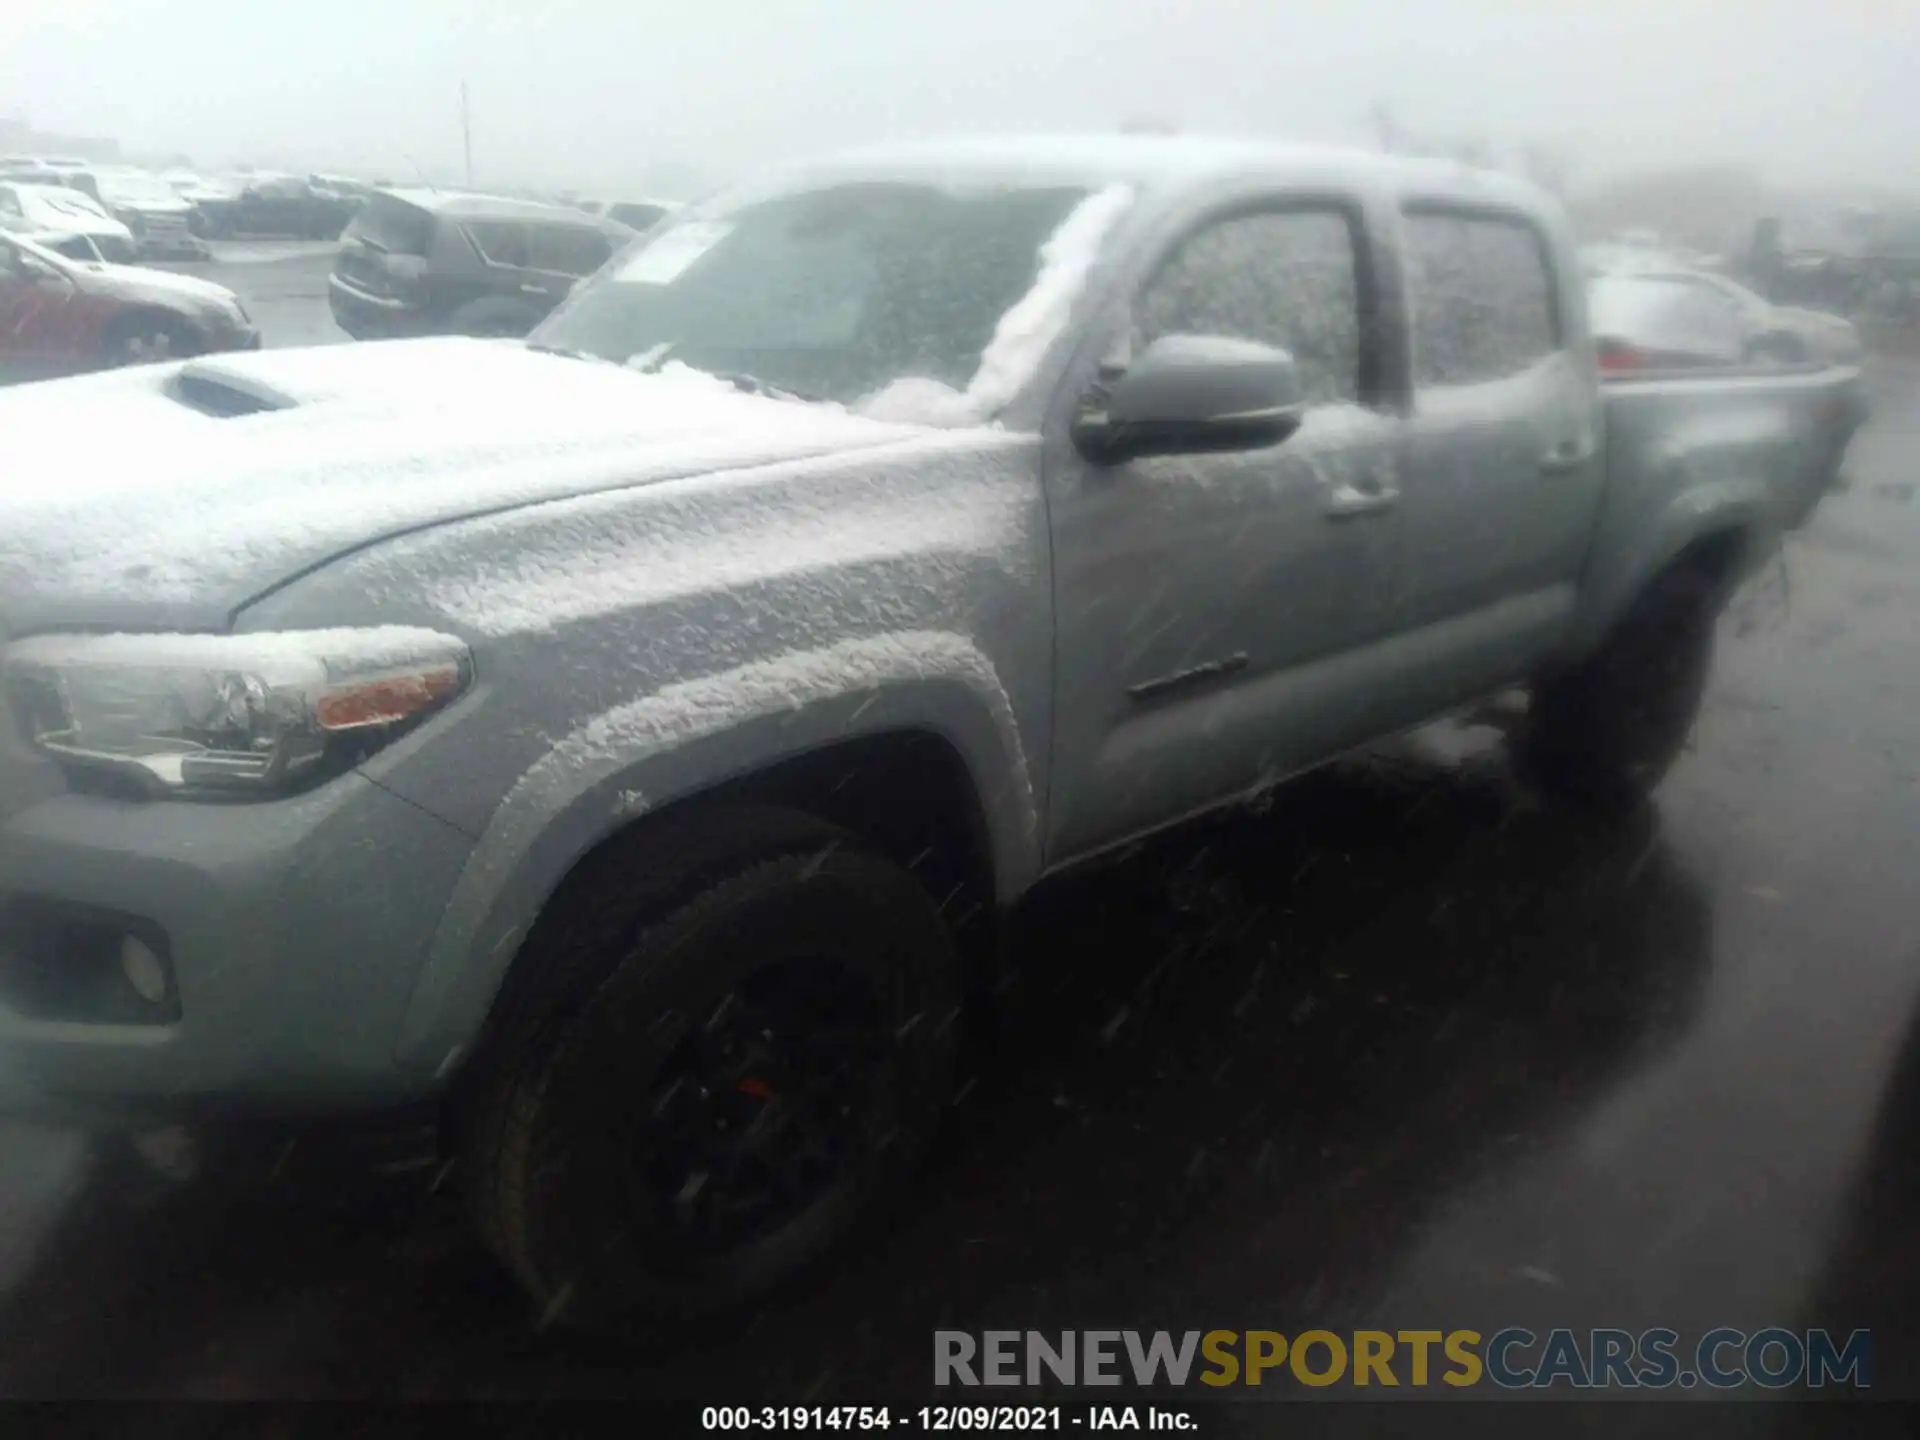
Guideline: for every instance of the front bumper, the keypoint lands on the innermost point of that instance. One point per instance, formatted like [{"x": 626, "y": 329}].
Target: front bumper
[{"x": 293, "y": 929}]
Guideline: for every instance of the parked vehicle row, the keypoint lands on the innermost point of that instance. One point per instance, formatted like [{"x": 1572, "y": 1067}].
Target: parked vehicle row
[
  {"x": 47, "y": 209},
  {"x": 627, "y": 743},
  {"x": 171, "y": 214},
  {"x": 155, "y": 218},
  {"x": 427, "y": 262},
  {"x": 299, "y": 207}
]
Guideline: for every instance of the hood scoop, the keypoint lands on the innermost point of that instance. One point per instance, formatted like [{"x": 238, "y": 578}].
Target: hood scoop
[{"x": 225, "y": 394}]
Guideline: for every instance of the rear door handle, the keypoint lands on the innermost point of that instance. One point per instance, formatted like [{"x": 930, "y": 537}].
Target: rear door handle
[
  {"x": 1366, "y": 497},
  {"x": 1567, "y": 455}
]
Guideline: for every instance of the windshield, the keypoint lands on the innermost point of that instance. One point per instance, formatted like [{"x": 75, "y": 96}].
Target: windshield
[{"x": 836, "y": 292}]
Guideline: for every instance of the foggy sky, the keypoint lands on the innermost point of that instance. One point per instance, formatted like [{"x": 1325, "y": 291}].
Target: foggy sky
[{"x": 589, "y": 92}]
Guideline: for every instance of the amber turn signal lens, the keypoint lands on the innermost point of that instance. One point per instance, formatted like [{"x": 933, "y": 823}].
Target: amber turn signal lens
[{"x": 387, "y": 700}]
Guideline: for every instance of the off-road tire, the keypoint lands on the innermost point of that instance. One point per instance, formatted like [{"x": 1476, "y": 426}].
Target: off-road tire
[
  {"x": 1607, "y": 731},
  {"x": 615, "y": 984}
]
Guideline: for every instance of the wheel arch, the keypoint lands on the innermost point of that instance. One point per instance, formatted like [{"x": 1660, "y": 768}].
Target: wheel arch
[
  {"x": 1726, "y": 527},
  {"x": 940, "y": 781}
]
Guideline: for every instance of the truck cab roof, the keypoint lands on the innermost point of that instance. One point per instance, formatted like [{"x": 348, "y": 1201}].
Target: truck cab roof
[{"x": 1179, "y": 162}]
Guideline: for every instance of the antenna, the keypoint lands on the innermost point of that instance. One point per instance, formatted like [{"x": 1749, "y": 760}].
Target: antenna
[{"x": 466, "y": 132}]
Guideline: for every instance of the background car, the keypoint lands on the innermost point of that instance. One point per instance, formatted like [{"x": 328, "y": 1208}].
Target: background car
[
  {"x": 161, "y": 221},
  {"x": 57, "y": 209},
  {"x": 210, "y": 196},
  {"x": 284, "y": 206},
  {"x": 56, "y": 169},
  {"x": 1666, "y": 318},
  {"x": 425, "y": 262},
  {"x": 1657, "y": 320},
  {"x": 62, "y": 318}
]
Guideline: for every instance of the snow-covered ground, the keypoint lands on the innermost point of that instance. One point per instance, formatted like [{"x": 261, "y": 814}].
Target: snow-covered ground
[{"x": 267, "y": 252}]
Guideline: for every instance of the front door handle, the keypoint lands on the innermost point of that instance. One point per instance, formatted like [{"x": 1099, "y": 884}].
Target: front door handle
[{"x": 1365, "y": 497}]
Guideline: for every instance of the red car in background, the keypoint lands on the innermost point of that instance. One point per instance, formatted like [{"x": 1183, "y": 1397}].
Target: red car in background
[{"x": 62, "y": 317}]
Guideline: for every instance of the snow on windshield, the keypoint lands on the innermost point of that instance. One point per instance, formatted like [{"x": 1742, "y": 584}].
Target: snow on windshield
[
  {"x": 1025, "y": 333},
  {"x": 902, "y": 300},
  {"x": 63, "y": 202}
]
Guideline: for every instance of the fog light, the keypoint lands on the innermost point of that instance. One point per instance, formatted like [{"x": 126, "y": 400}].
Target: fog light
[{"x": 143, "y": 969}]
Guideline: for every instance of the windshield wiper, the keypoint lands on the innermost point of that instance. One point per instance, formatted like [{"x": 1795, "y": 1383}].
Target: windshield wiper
[
  {"x": 565, "y": 353},
  {"x": 754, "y": 385},
  {"x": 650, "y": 362}
]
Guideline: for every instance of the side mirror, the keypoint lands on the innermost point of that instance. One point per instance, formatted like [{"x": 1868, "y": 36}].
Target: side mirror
[{"x": 1191, "y": 394}]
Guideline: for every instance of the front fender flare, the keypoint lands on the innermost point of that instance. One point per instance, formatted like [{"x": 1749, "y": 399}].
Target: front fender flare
[{"x": 689, "y": 738}]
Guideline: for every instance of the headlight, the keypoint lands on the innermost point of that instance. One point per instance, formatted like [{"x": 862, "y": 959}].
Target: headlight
[{"x": 187, "y": 715}]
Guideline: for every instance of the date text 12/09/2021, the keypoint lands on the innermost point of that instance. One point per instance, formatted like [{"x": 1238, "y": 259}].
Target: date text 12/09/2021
[{"x": 941, "y": 1418}]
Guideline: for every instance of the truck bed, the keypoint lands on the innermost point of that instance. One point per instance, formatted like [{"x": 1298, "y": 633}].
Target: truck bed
[
  {"x": 1788, "y": 426},
  {"x": 1766, "y": 442}
]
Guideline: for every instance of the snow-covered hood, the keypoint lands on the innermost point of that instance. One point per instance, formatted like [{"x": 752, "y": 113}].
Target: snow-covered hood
[
  {"x": 137, "y": 282},
  {"x": 176, "y": 511}
]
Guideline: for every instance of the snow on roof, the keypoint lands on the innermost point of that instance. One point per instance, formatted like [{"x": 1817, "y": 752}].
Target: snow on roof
[
  {"x": 471, "y": 202},
  {"x": 1154, "y": 160}
]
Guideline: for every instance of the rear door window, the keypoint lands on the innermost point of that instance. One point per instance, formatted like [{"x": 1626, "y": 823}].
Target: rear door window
[
  {"x": 568, "y": 249},
  {"x": 391, "y": 224},
  {"x": 502, "y": 242},
  {"x": 1482, "y": 296}
]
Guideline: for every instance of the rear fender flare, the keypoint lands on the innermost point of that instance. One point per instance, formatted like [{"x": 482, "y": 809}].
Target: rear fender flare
[{"x": 1730, "y": 506}]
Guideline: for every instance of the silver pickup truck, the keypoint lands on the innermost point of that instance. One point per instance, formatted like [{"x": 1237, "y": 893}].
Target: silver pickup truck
[{"x": 629, "y": 740}]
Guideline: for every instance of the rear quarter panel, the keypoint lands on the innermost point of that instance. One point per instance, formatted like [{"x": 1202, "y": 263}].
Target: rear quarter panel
[{"x": 1689, "y": 457}]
